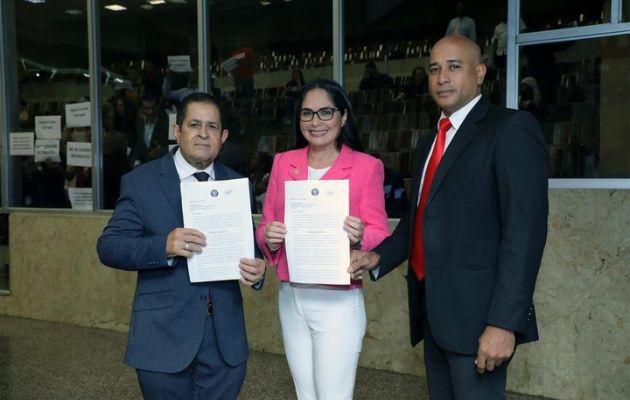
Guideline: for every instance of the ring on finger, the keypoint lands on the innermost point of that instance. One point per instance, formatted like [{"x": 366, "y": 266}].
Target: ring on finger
[{"x": 186, "y": 247}]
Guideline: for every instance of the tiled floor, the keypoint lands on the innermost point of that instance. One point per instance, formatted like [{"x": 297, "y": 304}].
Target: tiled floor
[{"x": 52, "y": 361}]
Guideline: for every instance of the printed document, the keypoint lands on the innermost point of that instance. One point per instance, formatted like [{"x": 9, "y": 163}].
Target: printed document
[
  {"x": 221, "y": 210},
  {"x": 318, "y": 248}
]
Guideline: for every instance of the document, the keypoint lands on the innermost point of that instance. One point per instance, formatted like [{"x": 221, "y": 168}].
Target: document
[
  {"x": 80, "y": 198},
  {"x": 179, "y": 63},
  {"x": 222, "y": 211},
  {"x": 79, "y": 154},
  {"x": 47, "y": 149},
  {"x": 48, "y": 127},
  {"x": 318, "y": 248},
  {"x": 78, "y": 115},
  {"x": 22, "y": 143}
]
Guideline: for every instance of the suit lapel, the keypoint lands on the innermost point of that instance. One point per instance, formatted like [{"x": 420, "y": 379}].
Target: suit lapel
[
  {"x": 220, "y": 173},
  {"x": 298, "y": 165},
  {"x": 169, "y": 181},
  {"x": 465, "y": 134},
  {"x": 342, "y": 166},
  {"x": 422, "y": 150}
]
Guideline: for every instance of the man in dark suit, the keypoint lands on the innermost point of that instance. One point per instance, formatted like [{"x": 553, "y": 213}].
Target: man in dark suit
[
  {"x": 151, "y": 140},
  {"x": 186, "y": 340},
  {"x": 476, "y": 239}
]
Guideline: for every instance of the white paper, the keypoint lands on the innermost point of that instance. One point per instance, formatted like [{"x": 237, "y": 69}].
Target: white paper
[
  {"x": 47, "y": 149},
  {"x": 318, "y": 248},
  {"x": 179, "y": 63},
  {"x": 48, "y": 127},
  {"x": 80, "y": 198},
  {"x": 172, "y": 117},
  {"x": 78, "y": 115},
  {"x": 79, "y": 154},
  {"x": 222, "y": 211},
  {"x": 22, "y": 143}
]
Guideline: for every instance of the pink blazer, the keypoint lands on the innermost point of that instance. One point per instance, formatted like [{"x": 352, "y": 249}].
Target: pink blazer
[{"x": 367, "y": 200}]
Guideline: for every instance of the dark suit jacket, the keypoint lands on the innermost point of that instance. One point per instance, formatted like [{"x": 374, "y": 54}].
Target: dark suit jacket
[
  {"x": 485, "y": 227},
  {"x": 158, "y": 145},
  {"x": 169, "y": 312}
]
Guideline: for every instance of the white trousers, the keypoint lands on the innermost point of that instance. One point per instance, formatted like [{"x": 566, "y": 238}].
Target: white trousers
[{"x": 323, "y": 331}]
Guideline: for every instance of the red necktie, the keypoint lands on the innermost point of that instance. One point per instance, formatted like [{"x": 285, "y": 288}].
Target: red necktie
[{"x": 417, "y": 252}]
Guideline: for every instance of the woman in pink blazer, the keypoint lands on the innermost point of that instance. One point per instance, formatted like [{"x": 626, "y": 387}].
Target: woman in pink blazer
[{"x": 323, "y": 325}]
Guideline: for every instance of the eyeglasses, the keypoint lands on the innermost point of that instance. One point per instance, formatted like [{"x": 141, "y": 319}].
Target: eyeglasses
[{"x": 324, "y": 114}]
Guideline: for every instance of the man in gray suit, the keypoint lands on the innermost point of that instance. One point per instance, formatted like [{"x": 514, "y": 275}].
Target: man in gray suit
[{"x": 186, "y": 340}]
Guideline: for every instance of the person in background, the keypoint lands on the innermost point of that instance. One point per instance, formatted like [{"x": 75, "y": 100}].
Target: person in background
[
  {"x": 462, "y": 24},
  {"x": 499, "y": 38},
  {"x": 260, "y": 169},
  {"x": 151, "y": 131},
  {"x": 476, "y": 238},
  {"x": 116, "y": 163},
  {"x": 125, "y": 119},
  {"x": 323, "y": 325},
  {"x": 292, "y": 90},
  {"x": 417, "y": 87},
  {"x": 374, "y": 80},
  {"x": 186, "y": 340},
  {"x": 396, "y": 200}
]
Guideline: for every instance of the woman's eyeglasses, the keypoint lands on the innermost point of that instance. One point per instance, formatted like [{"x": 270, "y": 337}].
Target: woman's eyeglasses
[{"x": 324, "y": 114}]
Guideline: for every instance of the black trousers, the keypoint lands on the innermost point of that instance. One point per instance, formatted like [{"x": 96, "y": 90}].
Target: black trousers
[{"x": 453, "y": 376}]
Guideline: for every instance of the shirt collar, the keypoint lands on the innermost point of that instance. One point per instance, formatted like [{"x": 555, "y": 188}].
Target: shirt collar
[
  {"x": 185, "y": 170},
  {"x": 458, "y": 117}
]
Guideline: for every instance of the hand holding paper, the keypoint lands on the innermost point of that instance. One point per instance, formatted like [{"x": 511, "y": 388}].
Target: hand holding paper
[
  {"x": 318, "y": 248},
  {"x": 221, "y": 211}
]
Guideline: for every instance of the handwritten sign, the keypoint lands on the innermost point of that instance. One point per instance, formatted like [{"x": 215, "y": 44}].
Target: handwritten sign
[
  {"x": 78, "y": 115},
  {"x": 47, "y": 149},
  {"x": 79, "y": 154},
  {"x": 48, "y": 127},
  {"x": 171, "y": 121},
  {"x": 22, "y": 143},
  {"x": 179, "y": 63},
  {"x": 80, "y": 198}
]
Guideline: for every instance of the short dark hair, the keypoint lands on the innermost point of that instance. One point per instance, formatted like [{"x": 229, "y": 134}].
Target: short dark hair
[
  {"x": 197, "y": 97},
  {"x": 149, "y": 97},
  {"x": 413, "y": 72},
  {"x": 349, "y": 133}
]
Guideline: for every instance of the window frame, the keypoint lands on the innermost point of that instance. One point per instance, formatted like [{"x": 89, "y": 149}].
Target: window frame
[{"x": 516, "y": 40}]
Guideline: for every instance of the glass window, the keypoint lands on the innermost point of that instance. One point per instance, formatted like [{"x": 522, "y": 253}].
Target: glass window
[
  {"x": 149, "y": 58},
  {"x": 4, "y": 253},
  {"x": 540, "y": 15},
  {"x": 261, "y": 57},
  {"x": 578, "y": 91},
  {"x": 50, "y": 42},
  {"x": 625, "y": 11},
  {"x": 386, "y": 58}
]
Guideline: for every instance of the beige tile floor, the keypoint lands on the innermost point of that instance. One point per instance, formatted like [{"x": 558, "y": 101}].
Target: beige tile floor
[{"x": 53, "y": 361}]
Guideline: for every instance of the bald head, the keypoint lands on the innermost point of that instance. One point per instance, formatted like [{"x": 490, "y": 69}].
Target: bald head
[
  {"x": 463, "y": 44},
  {"x": 456, "y": 72}
]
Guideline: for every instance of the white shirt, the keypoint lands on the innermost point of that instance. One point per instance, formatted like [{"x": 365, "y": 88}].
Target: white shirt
[
  {"x": 186, "y": 171},
  {"x": 315, "y": 174},
  {"x": 148, "y": 132},
  {"x": 463, "y": 26},
  {"x": 500, "y": 37},
  {"x": 457, "y": 119}
]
